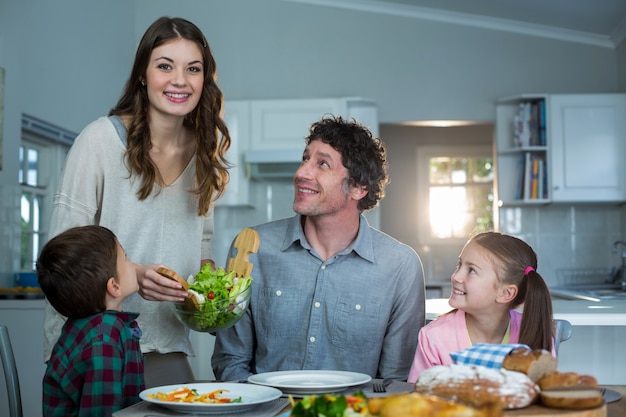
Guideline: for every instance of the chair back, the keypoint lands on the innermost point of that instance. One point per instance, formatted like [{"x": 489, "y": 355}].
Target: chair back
[
  {"x": 10, "y": 373},
  {"x": 562, "y": 332}
]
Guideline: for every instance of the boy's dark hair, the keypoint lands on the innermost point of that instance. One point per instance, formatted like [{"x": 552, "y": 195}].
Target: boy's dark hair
[
  {"x": 74, "y": 267},
  {"x": 363, "y": 155}
]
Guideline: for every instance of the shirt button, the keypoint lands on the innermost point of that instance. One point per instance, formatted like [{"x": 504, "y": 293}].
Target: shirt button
[
  {"x": 317, "y": 304},
  {"x": 357, "y": 307},
  {"x": 323, "y": 266},
  {"x": 279, "y": 293},
  {"x": 312, "y": 339}
]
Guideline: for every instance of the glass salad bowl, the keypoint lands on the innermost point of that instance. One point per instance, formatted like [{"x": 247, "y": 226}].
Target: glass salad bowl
[
  {"x": 217, "y": 300},
  {"x": 213, "y": 316}
]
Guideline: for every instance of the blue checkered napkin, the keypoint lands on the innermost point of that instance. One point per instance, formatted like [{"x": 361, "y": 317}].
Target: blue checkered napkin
[{"x": 485, "y": 354}]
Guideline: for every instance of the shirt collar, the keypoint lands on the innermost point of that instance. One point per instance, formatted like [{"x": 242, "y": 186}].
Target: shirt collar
[{"x": 363, "y": 245}]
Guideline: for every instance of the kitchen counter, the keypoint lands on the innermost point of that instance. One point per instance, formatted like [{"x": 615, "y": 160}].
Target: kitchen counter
[
  {"x": 597, "y": 340},
  {"x": 22, "y": 304},
  {"x": 577, "y": 312}
]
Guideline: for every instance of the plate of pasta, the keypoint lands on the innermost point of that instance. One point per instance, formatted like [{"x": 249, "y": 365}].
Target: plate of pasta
[{"x": 210, "y": 397}]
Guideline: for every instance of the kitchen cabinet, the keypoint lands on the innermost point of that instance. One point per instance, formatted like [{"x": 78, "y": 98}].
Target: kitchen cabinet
[
  {"x": 579, "y": 142},
  {"x": 283, "y": 124},
  {"x": 237, "y": 118},
  {"x": 24, "y": 319},
  {"x": 588, "y": 149}
]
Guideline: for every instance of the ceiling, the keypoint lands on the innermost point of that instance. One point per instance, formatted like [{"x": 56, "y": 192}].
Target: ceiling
[{"x": 597, "y": 22}]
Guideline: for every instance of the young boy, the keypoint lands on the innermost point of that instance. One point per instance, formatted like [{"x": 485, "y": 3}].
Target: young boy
[{"x": 96, "y": 367}]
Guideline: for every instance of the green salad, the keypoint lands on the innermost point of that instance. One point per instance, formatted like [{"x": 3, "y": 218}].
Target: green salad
[
  {"x": 222, "y": 299},
  {"x": 330, "y": 405}
]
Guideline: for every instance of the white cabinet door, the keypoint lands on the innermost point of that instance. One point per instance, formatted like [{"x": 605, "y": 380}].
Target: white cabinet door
[
  {"x": 588, "y": 142},
  {"x": 237, "y": 118},
  {"x": 283, "y": 124}
]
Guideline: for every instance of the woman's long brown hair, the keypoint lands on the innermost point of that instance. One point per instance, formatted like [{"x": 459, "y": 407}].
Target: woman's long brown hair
[{"x": 212, "y": 136}]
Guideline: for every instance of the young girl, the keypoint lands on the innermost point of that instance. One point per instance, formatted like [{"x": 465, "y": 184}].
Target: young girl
[{"x": 496, "y": 274}]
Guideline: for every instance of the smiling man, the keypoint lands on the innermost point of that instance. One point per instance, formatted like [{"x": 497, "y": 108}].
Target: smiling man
[{"x": 329, "y": 291}]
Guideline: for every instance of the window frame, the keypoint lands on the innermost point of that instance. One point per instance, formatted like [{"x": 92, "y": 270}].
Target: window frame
[
  {"x": 424, "y": 154},
  {"x": 52, "y": 144}
]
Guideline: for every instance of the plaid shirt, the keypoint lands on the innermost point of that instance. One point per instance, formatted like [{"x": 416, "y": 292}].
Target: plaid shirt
[{"x": 96, "y": 367}]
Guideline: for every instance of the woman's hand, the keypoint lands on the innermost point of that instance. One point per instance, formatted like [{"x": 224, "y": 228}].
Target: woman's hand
[{"x": 155, "y": 287}]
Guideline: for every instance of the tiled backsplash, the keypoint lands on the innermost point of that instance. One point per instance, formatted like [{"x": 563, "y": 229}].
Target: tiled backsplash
[
  {"x": 567, "y": 236},
  {"x": 563, "y": 236},
  {"x": 269, "y": 200}
]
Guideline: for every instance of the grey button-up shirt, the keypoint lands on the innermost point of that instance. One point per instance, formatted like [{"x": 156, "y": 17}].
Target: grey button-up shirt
[{"x": 359, "y": 311}]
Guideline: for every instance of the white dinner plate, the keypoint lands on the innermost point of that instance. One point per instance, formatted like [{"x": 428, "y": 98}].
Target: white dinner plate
[
  {"x": 310, "y": 382},
  {"x": 250, "y": 394}
]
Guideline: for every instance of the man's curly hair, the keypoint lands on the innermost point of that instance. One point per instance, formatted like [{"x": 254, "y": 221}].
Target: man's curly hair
[{"x": 363, "y": 155}]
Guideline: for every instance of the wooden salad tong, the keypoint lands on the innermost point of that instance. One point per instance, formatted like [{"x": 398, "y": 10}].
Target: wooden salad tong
[{"x": 247, "y": 242}]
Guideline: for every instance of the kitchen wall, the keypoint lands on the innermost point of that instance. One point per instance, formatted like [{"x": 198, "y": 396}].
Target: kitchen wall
[
  {"x": 66, "y": 62},
  {"x": 71, "y": 59}
]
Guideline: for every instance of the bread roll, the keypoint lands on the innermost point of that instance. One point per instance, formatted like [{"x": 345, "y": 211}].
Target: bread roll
[
  {"x": 479, "y": 385},
  {"x": 572, "y": 398},
  {"x": 417, "y": 405},
  {"x": 558, "y": 379},
  {"x": 534, "y": 363}
]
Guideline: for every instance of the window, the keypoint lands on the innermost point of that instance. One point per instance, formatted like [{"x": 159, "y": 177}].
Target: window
[
  {"x": 41, "y": 155},
  {"x": 33, "y": 195},
  {"x": 456, "y": 192}
]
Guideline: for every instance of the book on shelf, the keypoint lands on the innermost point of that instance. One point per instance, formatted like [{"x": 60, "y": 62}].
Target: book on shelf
[
  {"x": 529, "y": 126},
  {"x": 542, "y": 123},
  {"x": 532, "y": 177},
  {"x": 519, "y": 189},
  {"x": 544, "y": 180},
  {"x": 528, "y": 168},
  {"x": 540, "y": 175}
]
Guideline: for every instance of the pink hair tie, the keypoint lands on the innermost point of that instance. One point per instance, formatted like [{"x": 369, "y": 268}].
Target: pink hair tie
[{"x": 528, "y": 269}]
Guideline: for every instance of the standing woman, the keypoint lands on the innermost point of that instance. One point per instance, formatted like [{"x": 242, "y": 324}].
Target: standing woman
[{"x": 150, "y": 171}]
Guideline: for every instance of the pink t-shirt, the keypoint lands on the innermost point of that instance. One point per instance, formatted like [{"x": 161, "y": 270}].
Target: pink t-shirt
[{"x": 445, "y": 335}]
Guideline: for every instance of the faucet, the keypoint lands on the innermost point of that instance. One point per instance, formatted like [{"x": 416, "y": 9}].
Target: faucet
[{"x": 617, "y": 275}]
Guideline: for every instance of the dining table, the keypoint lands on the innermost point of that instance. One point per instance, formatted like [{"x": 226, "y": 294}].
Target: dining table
[
  {"x": 276, "y": 407},
  {"x": 281, "y": 406},
  {"x": 617, "y": 408}
]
